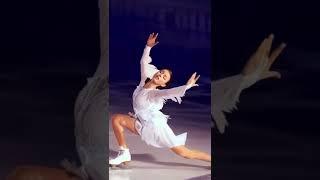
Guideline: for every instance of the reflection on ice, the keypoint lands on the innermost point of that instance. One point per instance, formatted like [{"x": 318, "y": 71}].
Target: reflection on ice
[{"x": 120, "y": 174}]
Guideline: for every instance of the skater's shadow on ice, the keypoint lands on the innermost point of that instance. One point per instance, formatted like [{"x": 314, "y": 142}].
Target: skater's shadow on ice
[
  {"x": 136, "y": 157},
  {"x": 151, "y": 159},
  {"x": 180, "y": 164}
]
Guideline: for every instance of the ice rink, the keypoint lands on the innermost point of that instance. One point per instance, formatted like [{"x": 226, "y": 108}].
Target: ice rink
[
  {"x": 155, "y": 163},
  {"x": 161, "y": 163}
]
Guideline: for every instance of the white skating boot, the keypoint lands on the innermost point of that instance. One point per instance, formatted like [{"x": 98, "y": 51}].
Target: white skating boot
[{"x": 123, "y": 157}]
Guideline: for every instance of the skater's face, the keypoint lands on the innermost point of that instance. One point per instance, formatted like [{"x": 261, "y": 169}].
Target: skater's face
[{"x": 162, "y": 77}]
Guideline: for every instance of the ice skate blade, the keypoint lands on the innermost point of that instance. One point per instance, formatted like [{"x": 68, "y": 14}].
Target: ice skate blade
[{"x": 126, "y": 163}]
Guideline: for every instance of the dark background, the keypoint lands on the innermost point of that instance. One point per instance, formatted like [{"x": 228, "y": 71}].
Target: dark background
[
  {"x": 48, "y": 49},
  {"x": 274, "y": 133}
]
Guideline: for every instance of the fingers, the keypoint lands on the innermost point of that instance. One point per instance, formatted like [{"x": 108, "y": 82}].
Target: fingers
[
  {"x": 268, "y": 44},
  {"x": 258, "y": 56},
  {"x": 193, "y": 75},
  {"x": 275, "y": 53},
  {"x": 261, "y": 62},
  {"x": 265, "y": 56},
  {"x": 152, "y": 39},
  {"x": 197, "y": 78},
  {"x": 271, "y": 74},
  {"x": 151, "y": 35},
  {"x": 265, "y": 51},
  {"x": 261, "y": 47},
  {"x": 193, "y": 79}
]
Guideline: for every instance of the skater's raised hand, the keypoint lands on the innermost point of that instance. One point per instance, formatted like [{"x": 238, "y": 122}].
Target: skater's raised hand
[
  {"x": 227, "y": 91},
  {"x": 152, "y": 40},
  {"x": 260, "y": 62},
  {"x": 193, "y": 79}
]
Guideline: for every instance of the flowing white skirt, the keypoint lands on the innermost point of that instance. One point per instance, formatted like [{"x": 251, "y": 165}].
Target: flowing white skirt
[{"x": 156, "y": 132}]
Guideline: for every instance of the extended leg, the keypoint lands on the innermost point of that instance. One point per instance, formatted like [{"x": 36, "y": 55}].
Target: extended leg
[{"x": 191, "y": 154}]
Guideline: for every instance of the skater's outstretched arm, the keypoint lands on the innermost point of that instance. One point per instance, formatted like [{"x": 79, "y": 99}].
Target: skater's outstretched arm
[
  {"x": 226, "y": 92},
  {"x": 175, "y": 93},
  {"x": 147, "y": 69}
]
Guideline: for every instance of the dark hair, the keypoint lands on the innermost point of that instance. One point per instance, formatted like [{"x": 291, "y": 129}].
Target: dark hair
[{"x": 167, "y": 84}]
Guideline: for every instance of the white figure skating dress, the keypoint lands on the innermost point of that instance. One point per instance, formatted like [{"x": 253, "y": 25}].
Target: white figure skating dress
[{"x": 147, "y": 103}]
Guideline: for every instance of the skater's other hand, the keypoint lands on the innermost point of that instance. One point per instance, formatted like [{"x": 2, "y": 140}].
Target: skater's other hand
[
  {"x": 193, "y": 79},
  {"x": 152, "y": 40},
  {"x": 261, "y": 60}
]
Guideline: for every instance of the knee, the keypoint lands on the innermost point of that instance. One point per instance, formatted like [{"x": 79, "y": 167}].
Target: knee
[
  {"x": 118, "y": 120},
  {"x": 115, "y": 118}
]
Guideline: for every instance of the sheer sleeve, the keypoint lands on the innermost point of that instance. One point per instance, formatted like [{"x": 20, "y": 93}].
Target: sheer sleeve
[
  {"x": 225, "y": 96},
  {"x": 147, "y": 69},
  {"x": 175, "y": 94}
]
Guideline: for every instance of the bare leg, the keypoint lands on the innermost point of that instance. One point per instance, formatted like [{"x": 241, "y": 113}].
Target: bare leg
[
  {"x": 191, "y": 154},
  {"x": 121, "y": 122}
]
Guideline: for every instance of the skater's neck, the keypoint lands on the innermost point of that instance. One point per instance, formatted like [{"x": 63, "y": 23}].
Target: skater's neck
[{"x": 150, "y": 85}]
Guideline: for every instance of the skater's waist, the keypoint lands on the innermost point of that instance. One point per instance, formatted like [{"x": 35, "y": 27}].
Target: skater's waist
[
  {"x": 147, "y": 112},
  {"x": 152, "y": 118}
]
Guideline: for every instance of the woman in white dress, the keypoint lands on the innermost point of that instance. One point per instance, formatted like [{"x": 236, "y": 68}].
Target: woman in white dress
[{"x": 148, "y": 121}]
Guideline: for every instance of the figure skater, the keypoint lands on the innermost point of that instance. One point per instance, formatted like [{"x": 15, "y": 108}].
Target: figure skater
[{"x": 148, "y": 121}]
